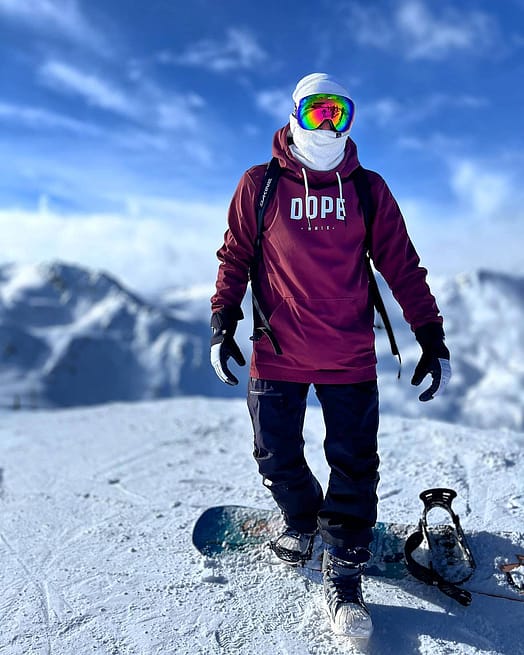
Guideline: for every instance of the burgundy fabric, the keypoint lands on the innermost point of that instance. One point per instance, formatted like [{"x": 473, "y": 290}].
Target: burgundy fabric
[{"x": 313, "y": 280}]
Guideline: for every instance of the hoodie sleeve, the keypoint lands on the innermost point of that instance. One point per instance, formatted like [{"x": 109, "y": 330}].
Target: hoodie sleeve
[
  {"x": 236, "y": 253},
  {"x": 395, "y": 257}
]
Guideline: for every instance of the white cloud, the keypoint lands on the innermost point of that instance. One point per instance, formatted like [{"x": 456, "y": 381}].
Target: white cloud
[
  {"x": 95, "y": 90},
  {"x": 390, "y": 111},
  {"x": 370, "y": 26},
  {"x": 487, "y": 193},
  {"x": 419, "y": 31},
  {"x": 276, "y": 103},
  {"x": 146, "y": 103},
  {"x": 482, "y": 226},
  {"x": 384, "y": 111},
  {"x": 53, "y": 16},
  {"x": 452, "y": 241},
  {"x": 159, "y": 243},
  {"x": 239, "y": 50},
  {"x": 162, "y": 242},
  {"x": 179, "y": 112},
  {"x": 37, "y": 118},
  {"x": 436, "y": 143}
]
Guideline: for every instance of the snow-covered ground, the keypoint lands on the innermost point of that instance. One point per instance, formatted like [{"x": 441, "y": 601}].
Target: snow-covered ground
[{"x": 96, "y": 511}]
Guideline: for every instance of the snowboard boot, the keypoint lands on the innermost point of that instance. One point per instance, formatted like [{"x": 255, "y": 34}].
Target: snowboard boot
[
  {"x": 293, "y": 547},
  {"x": 342, "y": 573}
]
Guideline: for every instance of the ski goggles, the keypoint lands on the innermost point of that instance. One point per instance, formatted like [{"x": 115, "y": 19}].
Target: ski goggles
[{"x": 313, "y": 110}]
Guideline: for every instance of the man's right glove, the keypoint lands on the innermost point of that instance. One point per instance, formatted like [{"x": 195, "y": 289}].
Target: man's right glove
[
  {"x": 434, "y": 360},
  {"x": 223, "y": 346}
]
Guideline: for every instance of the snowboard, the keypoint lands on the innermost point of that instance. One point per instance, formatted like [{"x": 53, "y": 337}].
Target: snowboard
[{"x": 227, "y": 529}]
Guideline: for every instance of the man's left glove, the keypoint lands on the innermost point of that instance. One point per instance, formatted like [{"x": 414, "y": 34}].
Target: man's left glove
[
  {"x": 223, "y": 346},
  {"x": 434, "y": 360}
]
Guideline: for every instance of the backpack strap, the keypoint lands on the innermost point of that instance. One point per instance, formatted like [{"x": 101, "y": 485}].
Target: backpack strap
[
  {"x": 267, "y": 191},
  {"x": 261, "y": 324},
  {"x": 365, "y": 198}
]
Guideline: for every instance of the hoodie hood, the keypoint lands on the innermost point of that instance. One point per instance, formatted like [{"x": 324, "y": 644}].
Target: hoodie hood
[
  {"x": 281, "y": 149},
  {"x": 311, "y": 178}
]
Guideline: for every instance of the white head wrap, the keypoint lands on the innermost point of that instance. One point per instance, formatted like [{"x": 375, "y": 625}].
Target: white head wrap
[
  {"x": 318, "y": 83},
  {"x": 320, "y": 150}
]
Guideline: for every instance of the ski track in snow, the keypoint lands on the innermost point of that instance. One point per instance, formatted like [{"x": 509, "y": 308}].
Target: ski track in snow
[{"x": 97, "y": 507}]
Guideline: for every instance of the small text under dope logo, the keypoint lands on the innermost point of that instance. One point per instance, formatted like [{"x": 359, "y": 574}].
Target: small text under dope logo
[{"x": 317, "y": 208}]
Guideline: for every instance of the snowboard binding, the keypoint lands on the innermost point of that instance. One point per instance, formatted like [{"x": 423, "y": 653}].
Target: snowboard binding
[
  {"x": 293, "y": 547},
  {"x": 451, "y": 561},
  {"x": 510, "y": 571}
]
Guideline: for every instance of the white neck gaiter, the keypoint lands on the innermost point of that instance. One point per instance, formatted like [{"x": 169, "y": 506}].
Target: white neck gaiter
[{"x": 320, "y": 150}]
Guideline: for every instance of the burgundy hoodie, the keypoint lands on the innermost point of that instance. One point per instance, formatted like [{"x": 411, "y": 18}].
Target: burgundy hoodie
[{"x": 313, "y": 279}]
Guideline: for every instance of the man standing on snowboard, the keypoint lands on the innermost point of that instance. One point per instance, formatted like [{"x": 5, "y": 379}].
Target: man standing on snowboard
[{"x": 313, "y": 287}]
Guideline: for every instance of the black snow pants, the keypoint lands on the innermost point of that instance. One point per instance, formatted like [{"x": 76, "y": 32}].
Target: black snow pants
[{"x": 347, "y": 513}]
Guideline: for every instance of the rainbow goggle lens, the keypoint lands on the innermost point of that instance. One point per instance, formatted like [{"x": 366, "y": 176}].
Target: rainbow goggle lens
[{"x": 313, "y": 110}]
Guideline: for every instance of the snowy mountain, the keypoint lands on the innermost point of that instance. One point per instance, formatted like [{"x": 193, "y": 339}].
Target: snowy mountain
[
  {"x": 71, "y": 336},
  {"x": 484, "y": 323}
]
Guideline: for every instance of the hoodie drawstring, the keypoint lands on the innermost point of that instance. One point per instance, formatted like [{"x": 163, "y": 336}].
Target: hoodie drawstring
[
  {"x": 306, "y": 198},
  {"x": 342, "y": 201}
]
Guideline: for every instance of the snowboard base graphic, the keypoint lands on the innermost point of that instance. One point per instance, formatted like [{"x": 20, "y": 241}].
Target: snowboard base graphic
[
  {"x": 228, "y": 528},
  {"x": 233, "y": 527}
]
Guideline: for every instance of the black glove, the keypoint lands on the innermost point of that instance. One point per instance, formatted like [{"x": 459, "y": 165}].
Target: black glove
[
  {"x": 223, "y": 346},
  {"x": 434, "y": 360}
]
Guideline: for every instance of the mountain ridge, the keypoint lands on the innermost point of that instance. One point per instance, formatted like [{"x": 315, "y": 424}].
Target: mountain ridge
[{"x": 70, "y": 336}]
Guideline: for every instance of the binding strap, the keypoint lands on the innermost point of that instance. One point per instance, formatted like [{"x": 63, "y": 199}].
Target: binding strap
[
  {"x": 443, "y": 498},
  {"x": 507, "y": 569},
  {"x": 430, "y": 576}
]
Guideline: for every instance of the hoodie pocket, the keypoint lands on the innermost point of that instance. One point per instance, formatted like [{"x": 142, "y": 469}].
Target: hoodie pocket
[
  {"x": 339, "y": 314},
  {"x": 331, "y": 328}
]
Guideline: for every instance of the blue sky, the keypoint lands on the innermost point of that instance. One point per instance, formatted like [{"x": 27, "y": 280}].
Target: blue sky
[{"x": 125, "y": 126}]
